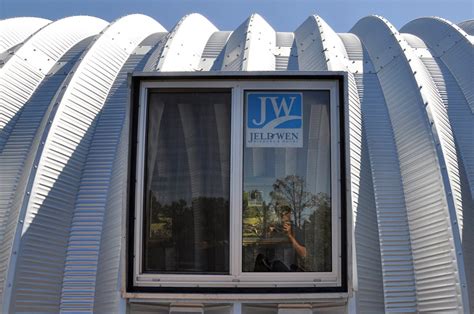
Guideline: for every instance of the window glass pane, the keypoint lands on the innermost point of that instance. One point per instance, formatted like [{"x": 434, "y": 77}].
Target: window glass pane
[
  {"x": 287, "y": 182},
  {"x": 186, "y": 223}
]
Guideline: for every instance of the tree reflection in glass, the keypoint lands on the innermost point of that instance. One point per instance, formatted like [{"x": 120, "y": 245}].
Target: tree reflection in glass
[
  {"x": 286, "y": 198},
  {"x": 186, "y": 223},
  {"x": 291, "y": 233}
]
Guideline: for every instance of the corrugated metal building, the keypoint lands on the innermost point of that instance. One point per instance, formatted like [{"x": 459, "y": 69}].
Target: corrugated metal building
[{"x": 64, "y": 139}]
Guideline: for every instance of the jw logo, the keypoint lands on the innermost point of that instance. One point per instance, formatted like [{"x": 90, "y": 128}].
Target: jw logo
[
  {"x": 276, "y": 110},
  {"x": 274, "y": 119}
]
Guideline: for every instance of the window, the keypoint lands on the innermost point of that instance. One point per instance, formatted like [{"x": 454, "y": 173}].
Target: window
[
  {"x": 238, "y": 184},
  {"x": 187, "y": 182},
  {"x": 286, "y": 218}
]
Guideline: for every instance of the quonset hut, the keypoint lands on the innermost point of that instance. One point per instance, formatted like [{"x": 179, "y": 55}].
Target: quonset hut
[{"x": 88, "y": 224}]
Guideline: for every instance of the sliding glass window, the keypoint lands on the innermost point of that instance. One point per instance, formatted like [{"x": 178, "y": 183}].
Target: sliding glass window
[
  {"x": 286, "y": 218},
  {"x": 237, "y": 184},
  {"x": 187, "y": 167}
]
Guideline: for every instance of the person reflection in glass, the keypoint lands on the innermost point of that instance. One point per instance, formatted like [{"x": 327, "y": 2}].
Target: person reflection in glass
[
  {"x": 295, "y": 237},
  {"x": 294, "y": 234}
]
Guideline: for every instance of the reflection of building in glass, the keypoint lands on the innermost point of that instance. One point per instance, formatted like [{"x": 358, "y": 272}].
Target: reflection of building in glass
[
  {"x": 189, "y": 145},
  {"x": 279, "y": 238},
  {"x": 285, "y": 228},
  {"x": 255, "y": 198},
  {"x": 188, "y": 182}
]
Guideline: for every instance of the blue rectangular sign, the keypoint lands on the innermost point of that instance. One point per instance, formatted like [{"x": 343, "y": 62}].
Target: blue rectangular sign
[{"x": 274, "y": 119}]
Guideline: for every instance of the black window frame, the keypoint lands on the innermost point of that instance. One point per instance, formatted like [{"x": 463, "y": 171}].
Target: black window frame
[{"x": 136, "y": 81}]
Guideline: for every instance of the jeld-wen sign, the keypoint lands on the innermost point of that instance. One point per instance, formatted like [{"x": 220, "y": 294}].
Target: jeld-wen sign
[{"x": 274, "y": 119}]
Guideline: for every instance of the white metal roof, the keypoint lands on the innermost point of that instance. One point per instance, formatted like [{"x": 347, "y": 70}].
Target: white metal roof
[{"x": 64, "y": 141}]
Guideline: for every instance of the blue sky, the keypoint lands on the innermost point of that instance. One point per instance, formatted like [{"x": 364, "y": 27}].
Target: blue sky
[{"x": 283, "y": 15}]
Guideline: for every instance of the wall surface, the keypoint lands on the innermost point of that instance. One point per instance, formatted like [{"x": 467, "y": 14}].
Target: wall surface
[{"x": 64, "y": 141}]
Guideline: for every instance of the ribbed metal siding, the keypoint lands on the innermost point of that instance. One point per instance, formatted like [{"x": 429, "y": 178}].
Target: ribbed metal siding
[
  {"x": 455, "y": 51},
  {"x": 108, "y": 282},
  {"x": 284, "y": 51},
  {"x": 156, "y": 53},
  {"x": 370, "y": 293},
  {"x": 462, "y": 122},
  {"x": 260, "y": 45},
  {"x": 84, "y": 238},
  {"x": 50, "y": 209},
  {"x": 397, "y": 171},
  {"x": 17, "y": 83},
  {"x": 235, "y": 48},
  {"x": 395, "y": 248},
  {"x": 311, "y": 54},
  {"x": 16, "y": 30},
  {"x": 16, "y": 160},
  {"x": 436, "y": 267},
  {"x": 19, "y": 78},
  {"x": 446, "y": 153},
  {"x": 450, "y": 43},
  {"x": 460, "y": 61},
  {"x": 24, "y": 71},
  {"x": 446, "y": 150},
  {"x": 250, "y": 47},
  {"x": 449, "y": 40},
  {"x": 184, "y": 45},
  {"x": 82, "y": 258},
  {"x": 213, "y": 53},
  {"x": 441, "y": 129},
  {"x": 366, "y": 233},
  {"x": 427, "y": 209},
  {"x": 320, "y": 47},
  {"x": 467, "y": 26},
  {"x": 353, "y": 47}
]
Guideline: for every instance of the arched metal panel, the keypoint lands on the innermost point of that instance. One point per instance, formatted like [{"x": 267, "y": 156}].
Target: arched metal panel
[
  {"x": 452, "y": 45},
  {"x": 468, "y": 27},
  {"x": 18, "y": 155},
  {"x": 40, "y": 263},
  {"x": 234, "y": 49},
  {"x": 213, "y": 53},
  {"x": 319, "y": 48},
  {"x": 462, "y": 121},
  {"x": 64, "y": 143},
  {"x": 108, "y": 282},
  {"x": 250, "y": 47},
  {"x": 448, "y": 44},
  {"x": 311, "y": 53},
  {"x": 25, "y": 70},
  {"x": 448, "y": 53},
  {"x": 425, "y": 148},
  {"x": 183, "y": 46},
  {"x": 395, "y": 247},
  {"x": 285, "y": 52},
  {"x": 260, "y": 45},
  {"x": 19, "y": 79},
  {"x": 16, "y": 30},
  {"x": 82, "y": 277}
]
